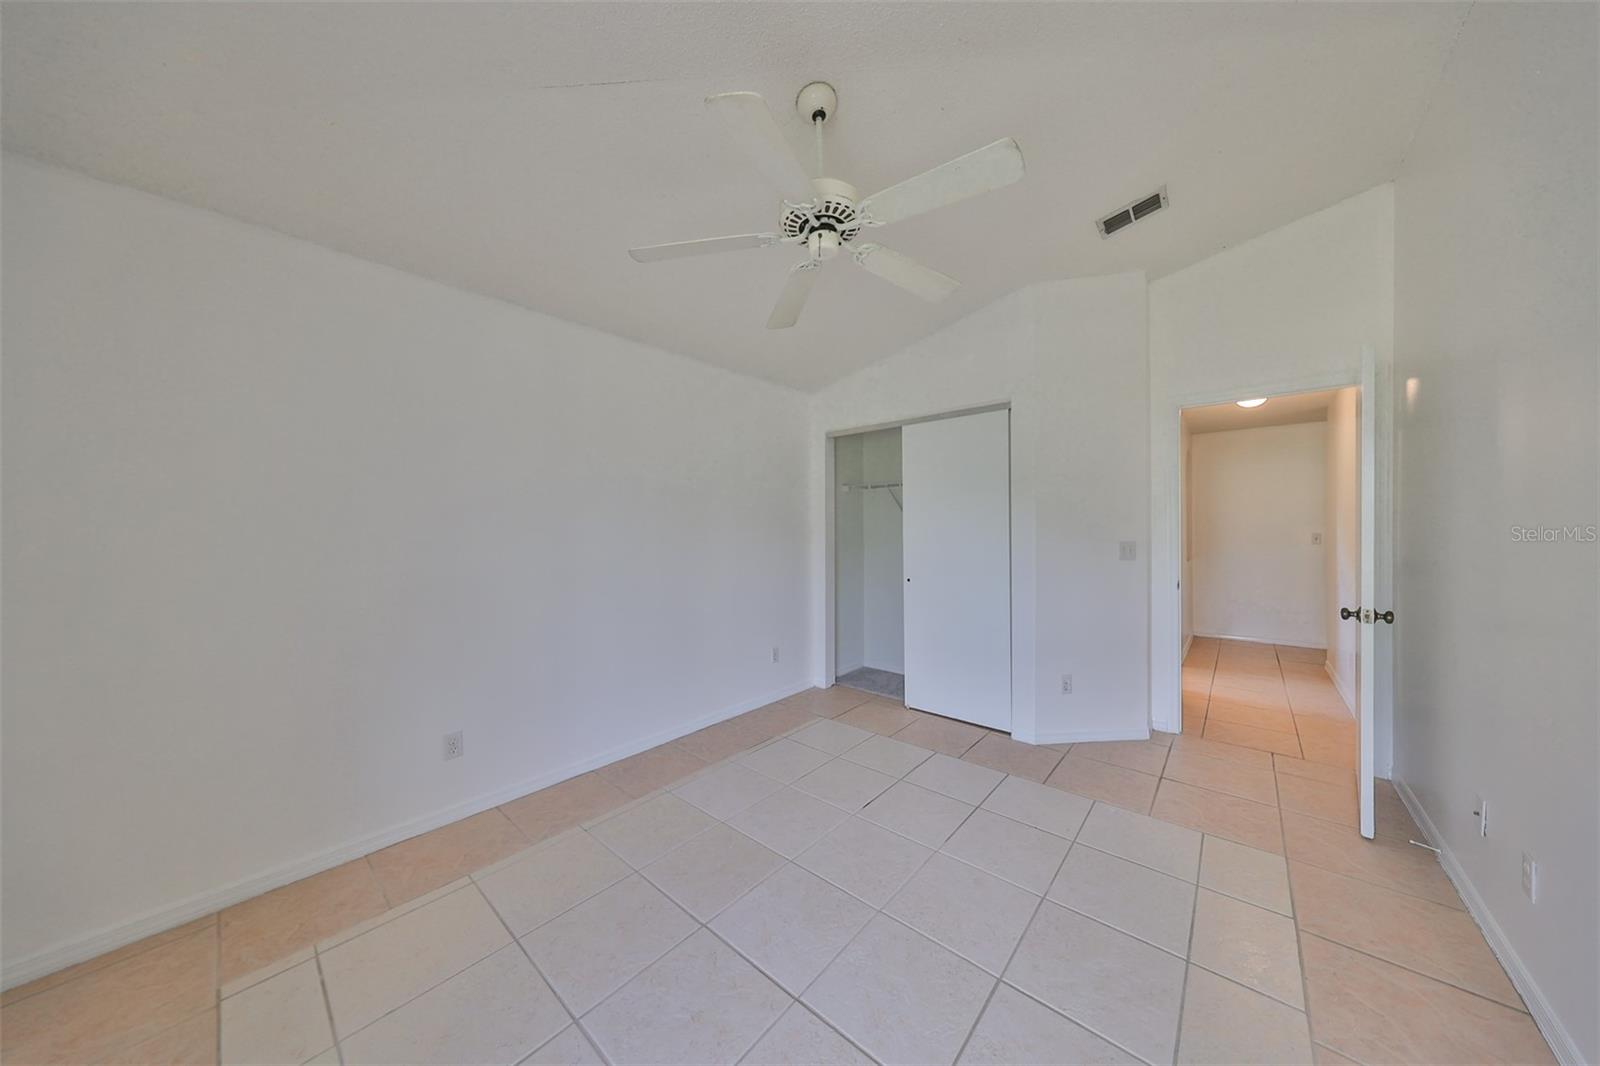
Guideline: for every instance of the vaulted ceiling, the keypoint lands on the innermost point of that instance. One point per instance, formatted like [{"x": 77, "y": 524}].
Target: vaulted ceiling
[{"x": 518, "y": 150}]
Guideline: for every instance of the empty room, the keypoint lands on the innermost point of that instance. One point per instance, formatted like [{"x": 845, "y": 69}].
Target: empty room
[{"x": 883, "y": 532}]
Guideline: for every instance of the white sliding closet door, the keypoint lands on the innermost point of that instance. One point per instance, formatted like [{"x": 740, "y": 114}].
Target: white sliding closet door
[{"x": 957, "y": 477}]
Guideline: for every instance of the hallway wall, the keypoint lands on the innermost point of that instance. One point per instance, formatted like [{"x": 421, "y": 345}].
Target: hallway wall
[{"x": 1258, "y": 496}]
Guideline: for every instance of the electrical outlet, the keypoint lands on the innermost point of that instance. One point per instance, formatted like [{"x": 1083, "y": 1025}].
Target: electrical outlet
[
  {"x": 1480, "y": 807},
  {"x": 1530, "y": 878},
  {"x": 1066, "y": 684},
  {"x": 1127, "y": 550},
  {"x": 453, "y": 745},
  {"x": 774, "y": 653}
]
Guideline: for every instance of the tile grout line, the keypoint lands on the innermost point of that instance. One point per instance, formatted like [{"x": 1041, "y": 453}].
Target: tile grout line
[
  {"x": 794, "y": 998},
  {"x": 327, "y": 1005},
  {"x": 1293, "y": 718},
  {"x": 1019, "y": 990},
  {"x": 317, "y": 952},
  {"x": 573, "y": 1017},
  {"x": 577, "y": 1021},
  {"x": 13, "y": 1000},
  {"x": 129, "y": 1043},
  {"x": 1419, "y": 973},
  {"x": 1012, "y": 954},
  {"x": 1294, "y": 913},
  {"x": 1415, "y": 972},
  {"x": 1188, "y": 950},
  {"x": 1024, "y": 992},
  {"x": 1376, "y": 884},
  {"x": 876, "y": 911},
  {"x": 706, "y": 925}
]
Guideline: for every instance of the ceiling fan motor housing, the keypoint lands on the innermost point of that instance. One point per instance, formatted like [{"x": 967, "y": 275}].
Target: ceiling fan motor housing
[{"x": 834, "y": 212}]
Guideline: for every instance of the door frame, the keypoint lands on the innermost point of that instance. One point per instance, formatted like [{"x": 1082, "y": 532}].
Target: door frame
[
  {"x": 1166, "y": 623},
  {"x": 830, "y": 559}
]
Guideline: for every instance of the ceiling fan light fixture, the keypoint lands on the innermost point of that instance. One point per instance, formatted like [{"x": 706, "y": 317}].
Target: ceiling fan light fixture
[{"x": 1251, "y": 403}]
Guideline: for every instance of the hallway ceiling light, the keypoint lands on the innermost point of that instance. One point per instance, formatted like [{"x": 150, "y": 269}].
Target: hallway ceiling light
[{"x": 1251, "y": 403}]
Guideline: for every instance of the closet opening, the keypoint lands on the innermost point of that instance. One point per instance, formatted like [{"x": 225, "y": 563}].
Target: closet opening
[
  {"x": 869, "y": 600},
  {"x": 922, "y": 564}
]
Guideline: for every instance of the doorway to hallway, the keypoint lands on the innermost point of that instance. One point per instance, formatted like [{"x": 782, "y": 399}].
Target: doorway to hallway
[{"x": 1271, "y": 548}]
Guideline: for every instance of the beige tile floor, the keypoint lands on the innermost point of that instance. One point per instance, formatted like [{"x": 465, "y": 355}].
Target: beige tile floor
[{"x": 834, "y": 878}]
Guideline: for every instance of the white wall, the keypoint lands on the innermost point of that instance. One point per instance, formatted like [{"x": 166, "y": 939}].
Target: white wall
[
  {"x": 1342, "y": 560},
  {"x": 1258, "y": 496},
  {"x": 1069, "y": 358},
  {"x": 1496, "y": 342},
  {"x": 1093, "y": 619},
  {"x": 1286, "y": 312},
  {"x": 278, "y": 519}
]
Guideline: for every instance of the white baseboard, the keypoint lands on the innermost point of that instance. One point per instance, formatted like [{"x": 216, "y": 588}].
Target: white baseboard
[
  {"x": 1183, "y": 653},
  {"x": 1344, "y": 693},
  {"x": 78, "y": 949},
  {"x": 1085, "y": 736},
  {"x": 1256, "y": 640},
  {"x": 1560, "y": 1041}
]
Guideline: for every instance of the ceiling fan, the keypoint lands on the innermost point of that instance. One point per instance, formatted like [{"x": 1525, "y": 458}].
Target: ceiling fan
[{"x": 823, "y": 214}]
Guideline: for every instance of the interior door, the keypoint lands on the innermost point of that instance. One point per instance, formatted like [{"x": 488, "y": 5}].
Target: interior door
[
  {"x": 1366, "y": 656},
  {"x": 957, "y": 529}
]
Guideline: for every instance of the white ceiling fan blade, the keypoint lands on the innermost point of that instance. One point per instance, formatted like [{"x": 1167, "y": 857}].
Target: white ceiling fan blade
[
  {"x": 993, "y": 166},
  {"x": 786, "y": 312},
  {"x": 906, "y": 272},
  {"x": 753, "y": 126},
  {"x": 653, "y": 253}
]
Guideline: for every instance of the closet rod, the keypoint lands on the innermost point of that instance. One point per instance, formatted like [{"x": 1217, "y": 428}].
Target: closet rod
[{"x": 874, "y": 485}]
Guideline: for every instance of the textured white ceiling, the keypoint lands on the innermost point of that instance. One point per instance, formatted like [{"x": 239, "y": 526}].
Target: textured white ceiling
[
  {"x": 519, "y": 149},
  {"x": 1277, "y": 411}
]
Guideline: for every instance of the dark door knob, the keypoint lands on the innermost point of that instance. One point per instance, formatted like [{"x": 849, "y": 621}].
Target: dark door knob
[{"x": 1370, "y": 617}]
